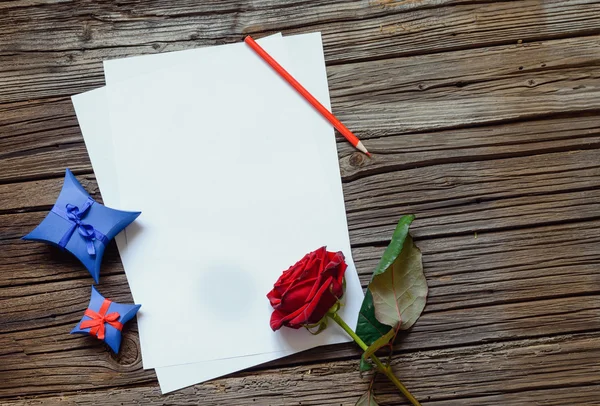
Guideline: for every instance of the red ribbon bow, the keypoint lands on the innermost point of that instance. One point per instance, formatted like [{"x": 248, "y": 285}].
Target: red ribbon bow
[{"x": 98, "y": 320}]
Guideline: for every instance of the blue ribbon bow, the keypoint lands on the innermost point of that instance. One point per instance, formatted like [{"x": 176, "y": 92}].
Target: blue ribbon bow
[{"x": 87, "y": 231}]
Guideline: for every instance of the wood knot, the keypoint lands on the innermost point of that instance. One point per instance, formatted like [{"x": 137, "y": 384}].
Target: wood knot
[
  {"x": 86, "y": 34},
  {"x": 129, "y": 354},
  {"x": 357, "y": 159}
]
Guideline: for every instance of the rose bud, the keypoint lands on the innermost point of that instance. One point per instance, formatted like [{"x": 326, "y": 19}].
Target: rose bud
[{"x": 307, "y": 290}]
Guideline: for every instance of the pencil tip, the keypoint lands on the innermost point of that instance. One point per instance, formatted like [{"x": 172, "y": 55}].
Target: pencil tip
[{"x": 359, "y": 146}]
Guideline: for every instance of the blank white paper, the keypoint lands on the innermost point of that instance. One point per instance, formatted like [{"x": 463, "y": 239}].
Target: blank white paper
[
  {"x": 229, "y": 145},
  {"x": 315, "y": 80},
  {"x": 118, "y": 70},
  {"x": 92, "y": 114}
]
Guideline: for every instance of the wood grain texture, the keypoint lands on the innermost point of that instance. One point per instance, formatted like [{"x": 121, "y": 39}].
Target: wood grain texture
[
  {"x": 475, "y": 196},
  {"x": 432, "y": 375},
  {"x": 521, "y": 138},
  {"x": 484, "y": 120},
  {"x": 478, "y": 294},
  {"x": 52, "y": 47},
  {"x": 462, "y": 270},
  {"x": 449, "y": 199},
  {"x": 471, "y": 87},
  {"x": 426, "y": 93}
]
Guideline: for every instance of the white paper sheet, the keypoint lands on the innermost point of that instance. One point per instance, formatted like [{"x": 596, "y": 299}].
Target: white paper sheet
[
  {"x": 137, "y": 271},
  {"x": 171, "y": 377},
  {"x": 228, "y": 144},
  {"x": 118, "y": 70},
  {"x": 92, "y": 113}
]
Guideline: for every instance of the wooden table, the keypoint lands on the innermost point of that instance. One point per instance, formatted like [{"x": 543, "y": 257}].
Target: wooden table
[{"x": 484, "y": 120}]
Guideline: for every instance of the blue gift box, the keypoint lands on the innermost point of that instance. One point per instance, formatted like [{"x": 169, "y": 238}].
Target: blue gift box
[
  {"x": 80, "y": 225},
  {"x": 104, "y": 319}
]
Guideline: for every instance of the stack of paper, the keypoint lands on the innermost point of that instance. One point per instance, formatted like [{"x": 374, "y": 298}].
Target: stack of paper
[{"x": 237, "y": 178}]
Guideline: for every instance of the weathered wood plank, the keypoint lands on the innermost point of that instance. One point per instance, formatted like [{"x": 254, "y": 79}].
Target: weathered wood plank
[
  {"x": 52, "y": 47},
  {"x": 40, "y": 195},
  {"x": 473, "y": 87},
  {"x": 440, "y": 195},
  {"x": 53, "y": 138},
  {"x": 483, "y": 216},
  {"x": 460, "y": 85},
  {"x": 24, "y": 264},
  {"x": 458, "y": 26},
  {"x": 36, "y": 124},
  {"x": 485, "y": 372},
  {"x": 34, "y": 314},
  {"x": 45, "y": 163},
  {"x": 366, "y": 26},
  {"x": 462, "y": 271},
  {"x": 555, "y": 396},
  {"x": 448, "y": 199},
  {"x": 470, "y": 144},
  {"x": 13, "y": 226},
  {"x": 482, "y": 180},
  {"x": 36, "y": 319},
  {"x": 464, "y": 182},
  {"x": 504, "y": 267}
]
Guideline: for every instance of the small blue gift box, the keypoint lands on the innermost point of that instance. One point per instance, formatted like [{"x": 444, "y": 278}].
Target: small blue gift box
[
  {"x": 105, "y": 319},
  {"x": 81, "y": 225}
]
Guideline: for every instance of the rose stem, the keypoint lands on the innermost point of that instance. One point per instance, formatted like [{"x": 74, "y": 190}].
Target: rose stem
[{"x": 382, "y": 368}]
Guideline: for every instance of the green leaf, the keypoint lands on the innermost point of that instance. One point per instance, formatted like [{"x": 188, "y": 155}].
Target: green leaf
[
  {"x": 365, "y": 365},
  {"x": 400, "y": 293},
  {"x": 368, "y": 328},
  {"x": 380, "y": 342},
  {"x": 367, "y": 400},
  {"x": 395, "y": 246}
]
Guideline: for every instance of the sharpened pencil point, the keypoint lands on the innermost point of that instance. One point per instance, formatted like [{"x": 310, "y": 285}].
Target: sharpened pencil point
[{"x": 362, "y": 149}]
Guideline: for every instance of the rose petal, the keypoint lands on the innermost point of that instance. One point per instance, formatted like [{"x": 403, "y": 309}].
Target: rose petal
[
  {"x": 276, "y": 320},
  {"x": 323, "y": 254},
  {"x": 274, "y": 298},
  {"x": 296, "y": 296},
  {"x": 285, "y": 320},
  {"x": 288, "y": 277},
  {"x": 318, "y": 307},
  {"x": 341, "y": 273},
  {"x": 311, "y": 267},
  {"x": 300, "y": 282},
  {"x": 331, "y": 270}
]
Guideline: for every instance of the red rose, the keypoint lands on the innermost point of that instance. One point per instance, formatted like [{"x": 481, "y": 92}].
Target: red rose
[{"x": 307, "y": 290}]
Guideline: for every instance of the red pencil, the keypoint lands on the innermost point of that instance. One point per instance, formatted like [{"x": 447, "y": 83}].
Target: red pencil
[{"x": 309, "y": 97}]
